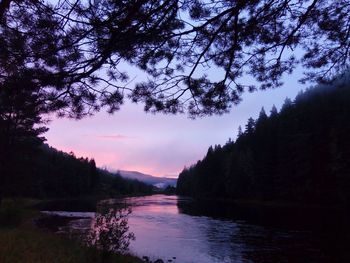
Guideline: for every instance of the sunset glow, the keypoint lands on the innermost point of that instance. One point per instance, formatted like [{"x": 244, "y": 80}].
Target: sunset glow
[{"x": 160, "y": 145}]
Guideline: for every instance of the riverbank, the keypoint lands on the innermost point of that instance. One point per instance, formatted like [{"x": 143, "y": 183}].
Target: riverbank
[{"x": 21, "y": 241}]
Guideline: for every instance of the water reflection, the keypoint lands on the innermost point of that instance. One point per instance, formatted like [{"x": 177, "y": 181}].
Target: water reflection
[
  {"x": 221, "y": 232},
  {"x": 282, "y": 234},
  {"x": 209, "y": 232}
]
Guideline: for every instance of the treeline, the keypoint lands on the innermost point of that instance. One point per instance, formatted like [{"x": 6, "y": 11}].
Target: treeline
[
  {"x": 300, "y": 154},
  {"x": 113, "y": 183},
  {"x": 49, "y": 173}
]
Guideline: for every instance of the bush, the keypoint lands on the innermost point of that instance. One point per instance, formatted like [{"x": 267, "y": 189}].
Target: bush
[{"x": 110, "y": 232}]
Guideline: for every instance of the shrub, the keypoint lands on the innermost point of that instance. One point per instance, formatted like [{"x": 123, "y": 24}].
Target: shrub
[{"x": 110, "y": 231}]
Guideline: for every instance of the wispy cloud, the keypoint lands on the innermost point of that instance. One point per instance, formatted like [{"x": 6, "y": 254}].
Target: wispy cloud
[{"x": 110, "y": 137}]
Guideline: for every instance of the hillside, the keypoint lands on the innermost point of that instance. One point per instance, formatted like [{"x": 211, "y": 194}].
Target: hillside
[
  {"x": 299, "y": 154},
  {"x": 49, "y": 173},
  {"x": 160, "y": 182}
]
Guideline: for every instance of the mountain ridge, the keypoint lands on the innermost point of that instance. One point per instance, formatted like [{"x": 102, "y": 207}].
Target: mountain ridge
[{"x": 160, "y": 182}]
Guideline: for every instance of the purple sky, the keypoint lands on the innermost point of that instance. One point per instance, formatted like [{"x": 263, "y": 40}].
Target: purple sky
[{"x": 159, "y": 145}]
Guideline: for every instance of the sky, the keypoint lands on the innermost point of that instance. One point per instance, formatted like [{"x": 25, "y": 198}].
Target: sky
[{"x": 159, "y": 145}]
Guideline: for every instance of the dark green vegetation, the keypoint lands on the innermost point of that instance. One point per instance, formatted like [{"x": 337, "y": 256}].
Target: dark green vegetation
[
  {"x": 48, "y": 173},
  {"x": 22, "y": 242},
  {"x": 300, "y": 154},
  {"x": 110, "y": 232},
  {"x": 112, "y": 184}
]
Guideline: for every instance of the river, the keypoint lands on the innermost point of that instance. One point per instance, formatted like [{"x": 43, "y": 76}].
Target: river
[{"x": 185, "y": 231}]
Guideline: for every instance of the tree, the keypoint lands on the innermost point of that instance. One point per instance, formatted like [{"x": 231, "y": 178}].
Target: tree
[
  {"x": 21, "y": 125},
  {"x": 67, "y": 45},
  {"x": 287, "y": 104},
  {"x": 240, "y": 132},
  {"x": 274, "y": 111},
  {"x": 250, "y": 126},
  {"x": 258, "y": 38},
  {"x": 73, "y": 49},
  {"x": 262, "y": 115},
  {"x": 94, "y": 174}
]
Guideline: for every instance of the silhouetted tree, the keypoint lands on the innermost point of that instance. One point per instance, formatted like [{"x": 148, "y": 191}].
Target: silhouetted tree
[
  {"x": 73, "y": 49},
  {"x": 240, "y": 132},
  {"x": 94, "y": 175},
  {"x": 65, "y": 44},
  {"x": 239, "y": 37},
  {"x": 287, "y": 104},
  {"x": 21, "y": 125},
  {"x": 273, "y": 111},
  {"x": 250, "y": 126},
  {"x": 262, "y": 115},
  {"x": 261, "y": 121}
]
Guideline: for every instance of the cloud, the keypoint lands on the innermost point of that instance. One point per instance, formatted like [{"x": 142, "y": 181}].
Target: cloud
[{"x": 110, "y": 137}]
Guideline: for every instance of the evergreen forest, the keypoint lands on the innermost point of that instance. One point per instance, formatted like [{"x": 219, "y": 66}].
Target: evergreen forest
[
  {"x": 49, "y": 173},
  {"x": 299, "y": 154}
]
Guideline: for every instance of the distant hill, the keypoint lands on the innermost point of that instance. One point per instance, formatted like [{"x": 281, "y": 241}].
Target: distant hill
[{"x": 160, "y": 182}]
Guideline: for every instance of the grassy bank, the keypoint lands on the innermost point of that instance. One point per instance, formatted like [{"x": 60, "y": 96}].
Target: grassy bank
[{"x": 21, "y": 241}]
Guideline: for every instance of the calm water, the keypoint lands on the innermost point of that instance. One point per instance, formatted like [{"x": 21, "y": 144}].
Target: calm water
[{"x": 170, "y": 226}]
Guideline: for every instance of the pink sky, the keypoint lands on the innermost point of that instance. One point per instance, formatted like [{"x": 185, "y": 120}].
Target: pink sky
[{"x": 159, "y": 145}]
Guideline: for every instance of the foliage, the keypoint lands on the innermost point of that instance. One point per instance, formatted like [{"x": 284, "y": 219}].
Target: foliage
[
  {"x": 169, "y": 190},
  {"x": 73, "y": 50},
  {"x": 113, "y": 184},
  {"x": 21, "y": 126},
  {"x": 50, "y": 173},
  {"x": 26, "y": 243},
  {"x": 63, "y": 45},
  {"x": 299, "y": 154},
  {"x": 110, "y": 232}
]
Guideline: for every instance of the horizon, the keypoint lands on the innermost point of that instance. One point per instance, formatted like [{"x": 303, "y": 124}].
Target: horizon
[{"x": 158, "y": 144}]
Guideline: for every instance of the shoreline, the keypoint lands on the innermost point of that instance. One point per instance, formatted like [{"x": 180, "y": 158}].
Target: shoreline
[
  {"x": 26, "y": 241},
  {"x": 267, "y": 203}
]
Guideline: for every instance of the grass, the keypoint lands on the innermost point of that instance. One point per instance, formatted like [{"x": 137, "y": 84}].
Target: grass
[{"x": 21, "y": 241}]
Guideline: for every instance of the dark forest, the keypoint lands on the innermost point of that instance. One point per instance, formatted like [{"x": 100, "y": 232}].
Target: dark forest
[{"x": 298, "y": 154}]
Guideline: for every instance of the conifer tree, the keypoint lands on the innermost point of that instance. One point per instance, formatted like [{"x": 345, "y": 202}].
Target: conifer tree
[{"x": 273, "y": 111}]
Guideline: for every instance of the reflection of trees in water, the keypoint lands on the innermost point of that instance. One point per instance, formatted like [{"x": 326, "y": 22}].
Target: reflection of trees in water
[
  {"x": 307, "y": 218},
  {"x": 218, "y": 238},
  {"x": 110, "y": 230},
  {"x": 264, "y": 234},
  {"x": 268, "y": 244},
  {"x": 216, "y": 234}
]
